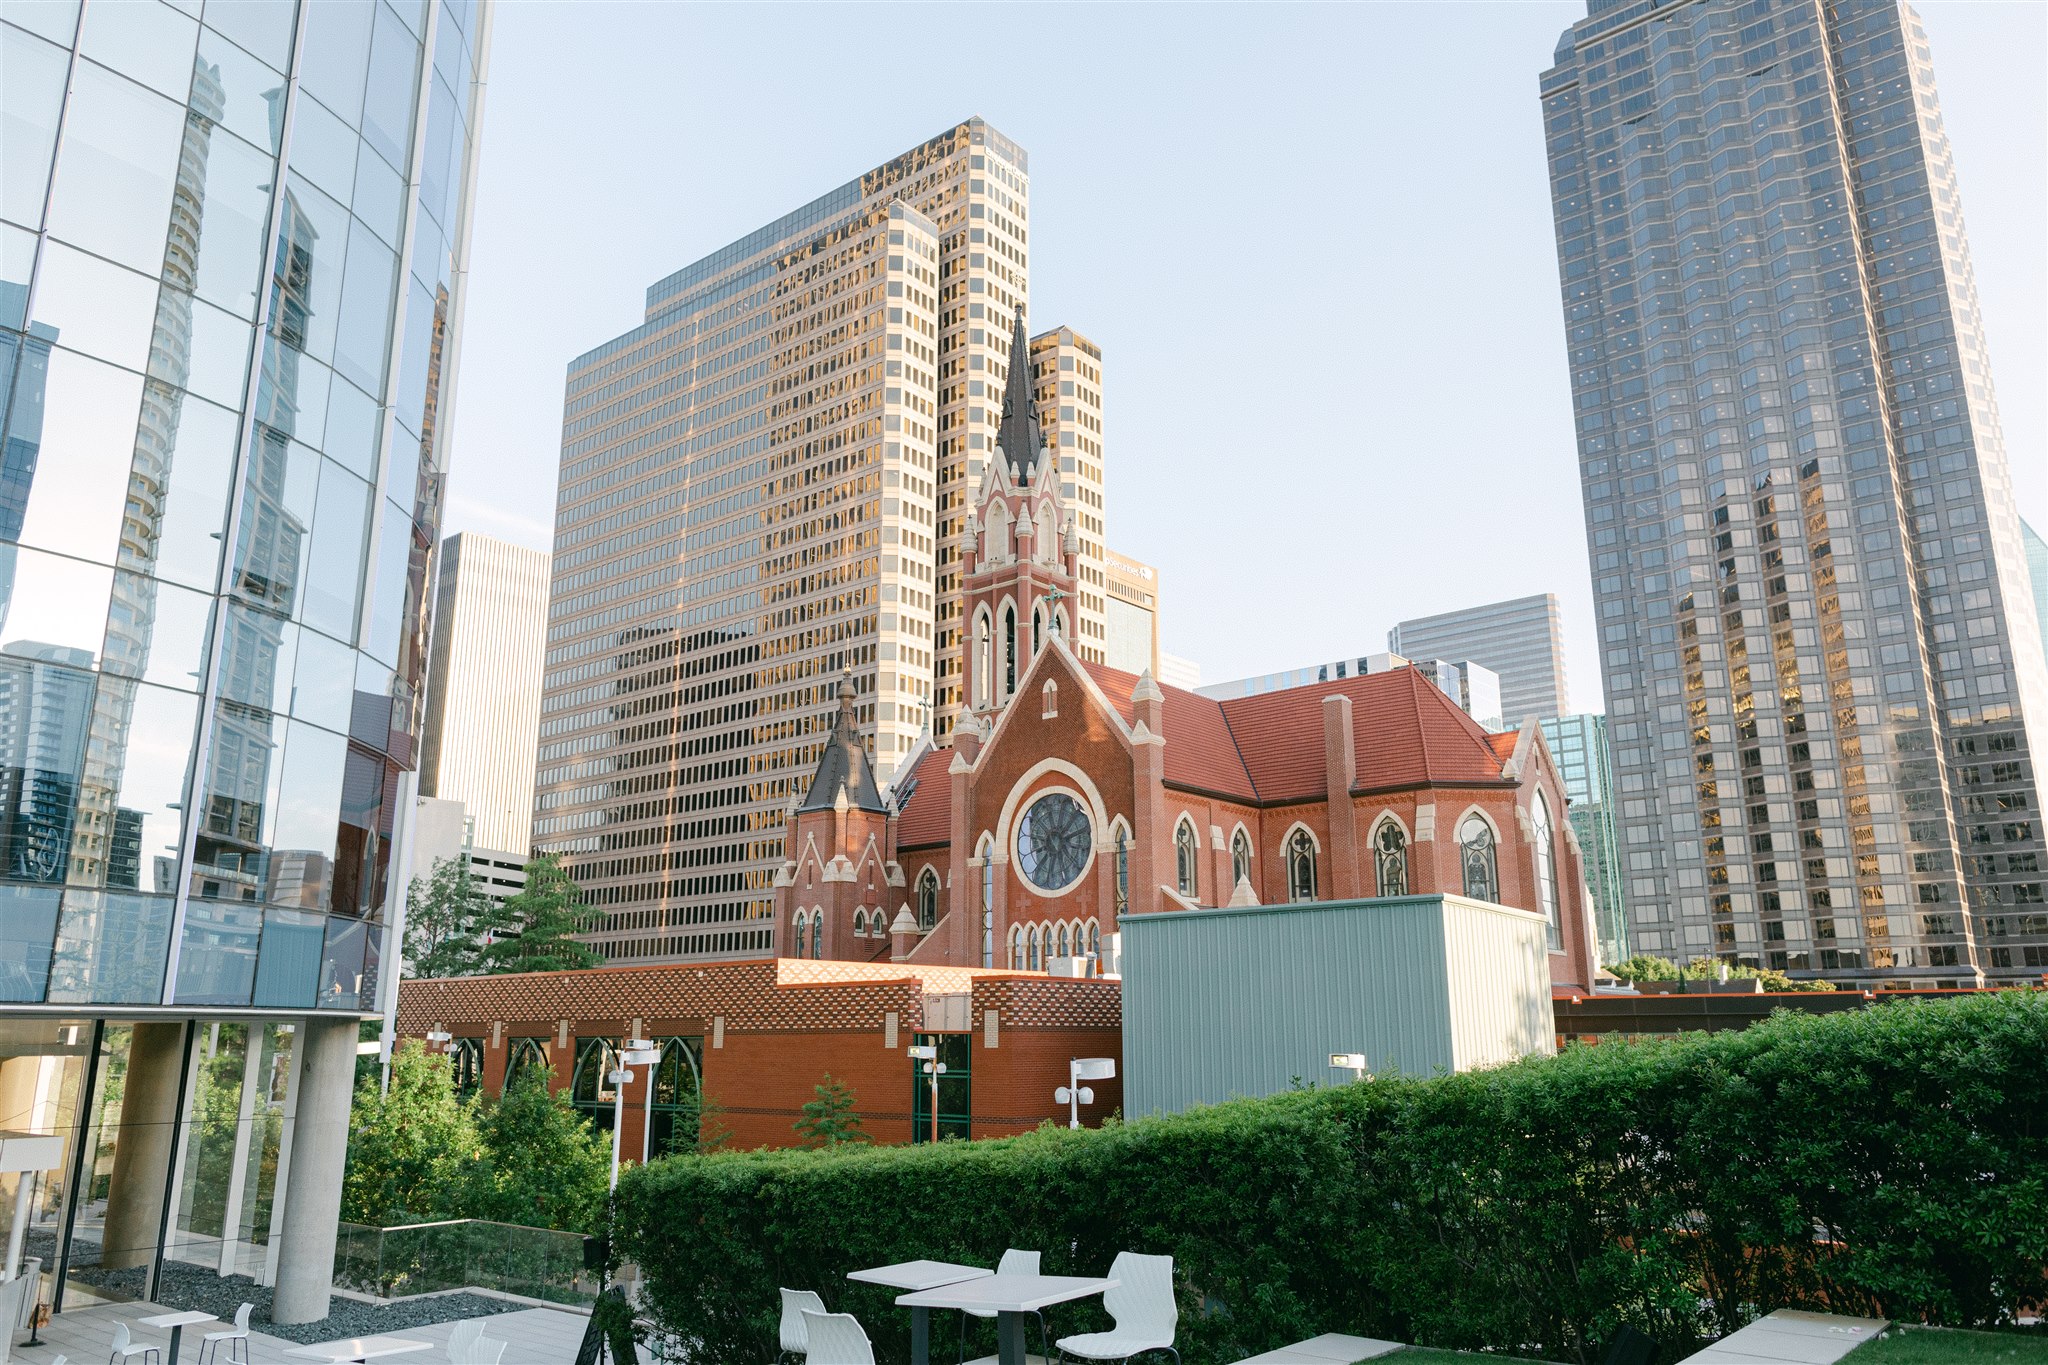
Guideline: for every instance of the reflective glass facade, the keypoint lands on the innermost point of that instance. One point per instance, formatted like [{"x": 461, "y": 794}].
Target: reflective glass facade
[
  {"x": 762, "y": 485},
  {"x": 1579, "y": 745},
  {"x": 1825, "y": 690},
  {"x": 232, "y": 237}
]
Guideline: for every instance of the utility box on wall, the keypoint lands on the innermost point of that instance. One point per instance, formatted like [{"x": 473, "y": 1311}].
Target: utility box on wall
[{"x": 1220, "y": 1004}]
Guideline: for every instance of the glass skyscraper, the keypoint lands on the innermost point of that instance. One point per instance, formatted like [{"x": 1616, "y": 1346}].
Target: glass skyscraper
[
  {"x": 1579, "y": 745},
  {"x": 1824, "y": 682},
  {"x": 232, "y": 236}
]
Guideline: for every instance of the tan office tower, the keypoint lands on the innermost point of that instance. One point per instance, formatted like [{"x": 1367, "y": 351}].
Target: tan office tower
[
  {"x": 483, "y": 685},
  {"x": 1066, "y": 378},
  {"x": 1132, "y": 614},
  {"x": 764, "y": 485}
]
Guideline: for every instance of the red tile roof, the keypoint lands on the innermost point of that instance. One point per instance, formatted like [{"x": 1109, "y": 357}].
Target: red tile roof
[
  {"x": 928, "y": 819},
  {"x": 1269, "y": 748}
]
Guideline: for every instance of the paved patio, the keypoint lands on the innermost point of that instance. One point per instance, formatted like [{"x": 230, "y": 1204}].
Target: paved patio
[{"x": 535, "y": 1336}]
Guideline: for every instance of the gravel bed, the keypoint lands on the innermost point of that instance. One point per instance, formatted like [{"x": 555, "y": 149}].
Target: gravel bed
[{"x": 198, "y": 1289}]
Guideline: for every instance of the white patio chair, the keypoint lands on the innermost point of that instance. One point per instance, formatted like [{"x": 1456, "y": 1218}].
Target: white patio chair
[
  {"x": 462, "y": 1340},
  {"x": 796, "y": 1339},
  {"x": 1142, "y": 1304},
  {"x": 236, "y": 1339},
  {"x": 125, "y": 1349},
  {"x": 836, "y": 1339},
  {"x": 487, "y": 1351},
  {"x": 1013, "y": 1262}
]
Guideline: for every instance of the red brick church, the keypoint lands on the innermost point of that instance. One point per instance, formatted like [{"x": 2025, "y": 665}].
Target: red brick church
[{"x": 1076, "y": 793}]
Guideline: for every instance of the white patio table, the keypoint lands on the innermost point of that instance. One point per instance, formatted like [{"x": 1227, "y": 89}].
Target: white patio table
[
  {"x": 359, "y": 1350},
  {"x": 175, "y": 1323},
  {"x": 1012, "y": 1298},
  {"x": 916, "y": 1275}
]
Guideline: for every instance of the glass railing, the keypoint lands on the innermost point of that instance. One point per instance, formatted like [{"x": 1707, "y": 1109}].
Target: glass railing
[{"x": 466, "y": 1253}]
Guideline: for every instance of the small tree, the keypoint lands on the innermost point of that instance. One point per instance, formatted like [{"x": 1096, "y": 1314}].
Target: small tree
[
  {"x": 829, "y": 1119},
  {"x": 407, "y": 1145},
  {"x": 1643, "y": 967},
  {"x": 448, "y": 920},
  {"x": 538, "y": 924},
  {"x": 542, "y": 1164}
]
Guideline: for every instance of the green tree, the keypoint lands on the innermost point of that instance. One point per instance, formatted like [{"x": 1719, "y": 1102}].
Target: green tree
[
  {"x": 542, "y": 1164},
  {"x": 408, "y": 1144},
  {"x": 537, "y": 924},
  {"x": 448, "y": 920},
  {"x": 829, "y": 1119},
  {"x": 1643, "y": 967}
]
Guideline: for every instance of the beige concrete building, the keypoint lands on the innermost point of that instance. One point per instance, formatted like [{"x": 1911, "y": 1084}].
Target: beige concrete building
[
  {"x": 765, "y": 485},
  {"x": 1066, "y": 379},
  {"x": 483, "y": 685},
  {"x": 1131, "y": 599}
]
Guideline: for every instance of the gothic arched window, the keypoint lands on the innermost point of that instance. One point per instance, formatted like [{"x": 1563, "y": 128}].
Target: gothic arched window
[
  {"x": 1123, "y": 868},
  {"x": 1390, "y": 854},
  {"x": 1094, "y": 940},
  {"x": 1301, "y": 866},
  {"x": 818, "y": 933},
  {"x": 1016, "y": 949},
  {"x": 1476, "y": 852},
  {"x": 1009, "y": 651},
  {"x": 927, "y": 899},
  {"x": 799, "y": 925},
  {"x": 1051, "y": 695},
  {"x": 527, "y": 1054},
  {"x": 984, "y": 659},
  {"x": 1031, "y": 947},
  {"x": 1546, "y": 868},
  {"x": 1037, "y": 630},
  {"x": 1063, "y": 943},
  {"x": 1186, "y": 853},
  {"x": 1240, "y": 858}
]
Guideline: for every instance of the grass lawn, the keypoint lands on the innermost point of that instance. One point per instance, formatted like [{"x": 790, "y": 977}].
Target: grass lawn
[
  {"x": 1899, "y": 1346},
  {"x": 1940, "y": 1346}
]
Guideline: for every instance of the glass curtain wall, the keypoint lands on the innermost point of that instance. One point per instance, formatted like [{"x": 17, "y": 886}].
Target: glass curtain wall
[
  {"x": 43, "y": 1066},
  {"x": 240, "y": 1079},
  {"x": 228, "y": 297}
]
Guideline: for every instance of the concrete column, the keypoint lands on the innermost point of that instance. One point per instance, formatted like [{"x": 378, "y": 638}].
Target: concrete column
[
  {"x": 142, "y": 1152},
  {"x": 312, "y": 1206}
]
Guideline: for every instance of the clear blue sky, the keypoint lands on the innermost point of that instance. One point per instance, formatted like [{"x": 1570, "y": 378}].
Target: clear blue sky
[{"x": 1313, "y": 241}]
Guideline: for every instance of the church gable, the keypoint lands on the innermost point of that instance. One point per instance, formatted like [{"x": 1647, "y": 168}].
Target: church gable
[{"x": 1083, "y": 729}]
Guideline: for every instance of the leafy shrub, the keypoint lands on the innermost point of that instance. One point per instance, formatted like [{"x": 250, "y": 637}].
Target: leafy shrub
[{"x": 1891, "y": 1160}]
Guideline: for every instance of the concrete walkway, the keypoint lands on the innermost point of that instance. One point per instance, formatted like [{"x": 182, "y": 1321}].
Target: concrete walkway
[
  {"x": 534, "y": 1336},
  {"x": 1790, "y": 1337}
]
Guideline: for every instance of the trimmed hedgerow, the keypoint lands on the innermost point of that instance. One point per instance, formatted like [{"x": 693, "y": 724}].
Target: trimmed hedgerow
[{"x": 1892, "y": 1160}]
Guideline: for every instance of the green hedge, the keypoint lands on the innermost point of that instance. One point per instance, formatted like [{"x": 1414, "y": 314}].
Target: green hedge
[{"x": 1891, "y": 1160}]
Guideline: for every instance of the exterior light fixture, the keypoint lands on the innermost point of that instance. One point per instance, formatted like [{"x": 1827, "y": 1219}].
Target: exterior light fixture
[
  {"x": 439, "y": 1036},
  {"x": 1354, "y": 1062},
  {"x": 928, "y": 1054},
  {"x": 633, "y": 1052},
  {"x": 1073, "y": 1094}
]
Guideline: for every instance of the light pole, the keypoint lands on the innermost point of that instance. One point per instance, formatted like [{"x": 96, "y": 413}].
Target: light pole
[
  {"x": 933, "y": 1068},
  {"x": 1073, "y": 1094},
  {"x": 1354, "y": 1062},
  {"x": 636, "y": 1052}
]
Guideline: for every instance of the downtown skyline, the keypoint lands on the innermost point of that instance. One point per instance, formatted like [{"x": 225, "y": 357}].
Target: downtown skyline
[{"x": 1170, "y": 436}]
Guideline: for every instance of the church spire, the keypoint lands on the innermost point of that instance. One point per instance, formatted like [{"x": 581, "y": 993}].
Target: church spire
[{"x": 1018, "y": 437}]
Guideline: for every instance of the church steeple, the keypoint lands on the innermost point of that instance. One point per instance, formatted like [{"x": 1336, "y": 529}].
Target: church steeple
[
  {"x": 1020, "y": 568},
  {"x": 1018, "y": 437}
]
